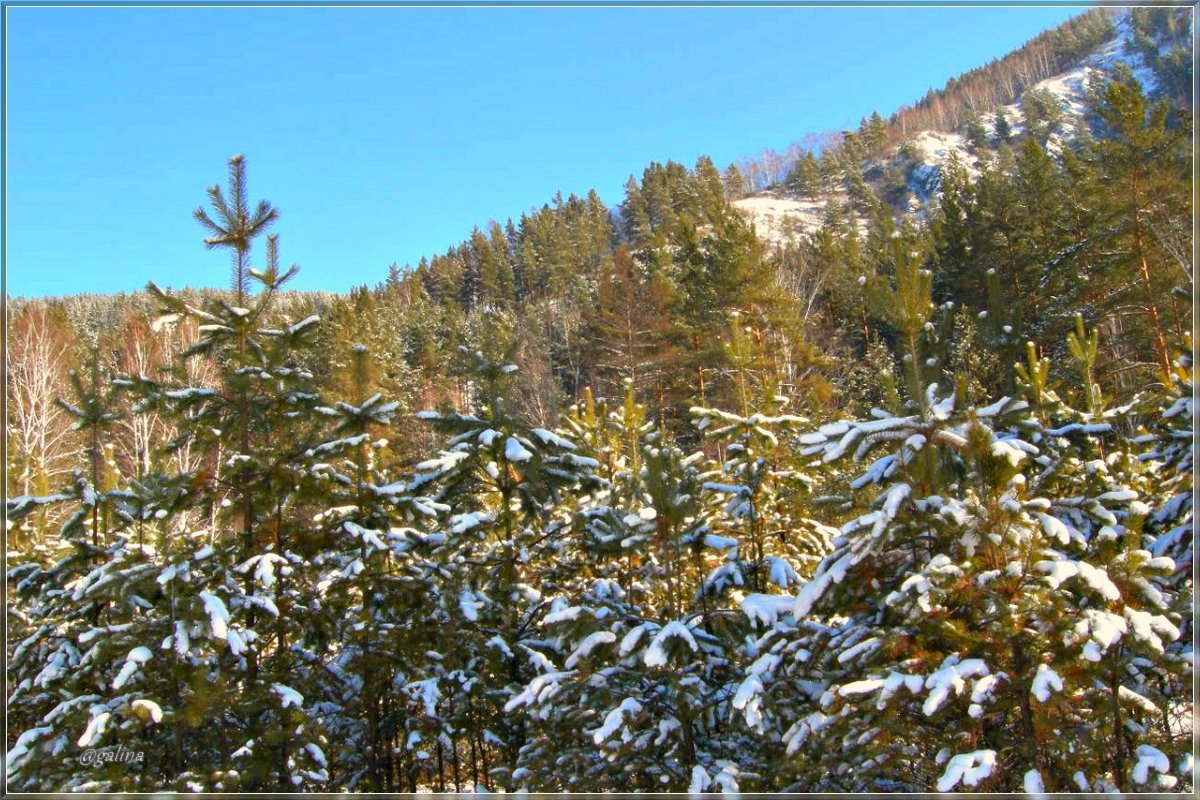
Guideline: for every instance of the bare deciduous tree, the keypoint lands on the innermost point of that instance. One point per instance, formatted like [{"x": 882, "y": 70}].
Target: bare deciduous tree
[{"x": 41, "y": 444}]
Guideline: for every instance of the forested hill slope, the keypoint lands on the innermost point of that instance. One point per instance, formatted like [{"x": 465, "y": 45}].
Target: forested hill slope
[
  {"x": 1041, "y": 89},
  {"x": 1011, "y": 168}
]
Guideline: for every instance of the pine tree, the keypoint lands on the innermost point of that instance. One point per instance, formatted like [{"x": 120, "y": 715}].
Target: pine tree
[
  {"x": 208, "y": 623},
  {"x": 236, "y": 226},
  {"x": 1002, "y": 128},
  {"x": 760, "y": 489},
  {"x": 372, "y": 622},
  {"x": 1170, "y": 527},
  {"x": 735, "y": 182},
  {"x": 628, "y": 330},
  {"x": 976, "y": 134},
  {"x": 1144, "y": 169},
  {"x": 996, "y": 597},
  {"x": 639, "y": 663},
  {"x": 806, "y": 175},
  {"x": 507, "y": 480}
]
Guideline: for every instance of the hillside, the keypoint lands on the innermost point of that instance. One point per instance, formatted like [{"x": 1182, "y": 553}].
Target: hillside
[{"x": 909, "y": 172}]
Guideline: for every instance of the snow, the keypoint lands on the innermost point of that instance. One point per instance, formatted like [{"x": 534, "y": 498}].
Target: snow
[
  {"x": 655, "y": 655},
  {"x": 1096, "y": 578},
  {"x": 538, "y": 660},
  {"x": 1055, "y": 529},
  {"x": 1164, "y": 563},
  {"x": 461, "y": 523},
  {"x": 21, "y": 748},
  {"x": 1003, "y": 449},
  {"x": 562, "y": 614},
  {"x": 782, "y": 573},
  {"x": 780, "y": 219},
  {"x": 189, "y": 393},
  {"x": 951, "y": 675},
  {"x": 767, "y": 608},
  {"x": 982, "y": 690},
  {"x": 1149, "y": 758},
  {"x": 497, "y": 643},
  {"x": 1004, "y": 404},
  {"x": 218, "y": 615},
  {"x": 515, "y": 451},
  {"x": 469, "y": 605},
  {"x": 1033, "y": 782},
  {"x": 443, "y": 463},
  {"x": 427, "y": 692},
  {"x": 895, "y": 680},
  {"x": 812, "y": 591},
  {"x": 164, "y": 321},
  {"x": 861, "y": 687},
  {"x": 725, "y": 488},
  {"x": 264, "y": 565},
  {"x": 935, "y": 150},
  {"x": 968, "y": 769},
  {"x": 895, "y": 496},
  {"x": 1045, "y": 680},
  {"x": 540, "y": 689},
  {"x": 748, "y": 700},
  {"x": 317, "y": 754},
  {"x": 615, "y": 719},
  {"x": 632, "y": 638},
  {"x": 287, "y": 696},
  {"x": 590, "y": 643},
  {"x": 95, "y": 727},
  {"x": 829, "y": 430},
  {"x": 304, "y": 323},
  {"x": 181, "y": 639},
  {"x": 1131, "y": 697},
  {"x": 700, "y": 780},
  {"x": 866, "y": 646},
  {"x": 1149, "y": 628},
  {"x": 150, "y": 708},
  {"x": 554, "y": 439},
  {"x": 720, "y": 542},
  {"x": 1104, "y": 627},
  {"x": 137, "y": 656}
]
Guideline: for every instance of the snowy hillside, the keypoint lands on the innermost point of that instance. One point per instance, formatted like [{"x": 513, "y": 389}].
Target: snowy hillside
[
  {"x": 781, "y": 215},
  {"x": 779, "y": 218}
]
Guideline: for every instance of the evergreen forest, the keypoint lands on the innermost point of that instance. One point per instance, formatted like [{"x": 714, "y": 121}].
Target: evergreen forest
[{"x": 629, "y": 498}]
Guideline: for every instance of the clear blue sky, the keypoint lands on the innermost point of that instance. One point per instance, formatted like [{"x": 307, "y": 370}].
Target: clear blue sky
[{"x": 385, "y": 134}]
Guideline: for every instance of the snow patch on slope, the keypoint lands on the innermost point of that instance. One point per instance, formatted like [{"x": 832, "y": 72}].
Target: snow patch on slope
[{"x": 781, "y": 218}]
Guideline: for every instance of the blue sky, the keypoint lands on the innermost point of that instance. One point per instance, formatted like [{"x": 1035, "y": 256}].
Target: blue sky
[{"x": 385, "y": 134}]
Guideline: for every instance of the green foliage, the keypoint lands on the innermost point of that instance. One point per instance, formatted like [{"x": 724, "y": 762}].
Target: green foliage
[
  {"x": 1043, "y": 113},
  {"x": 306, "y": 587},
  {"x": 1002, "y": 128},
  {"x": 236, "y": 226}
]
